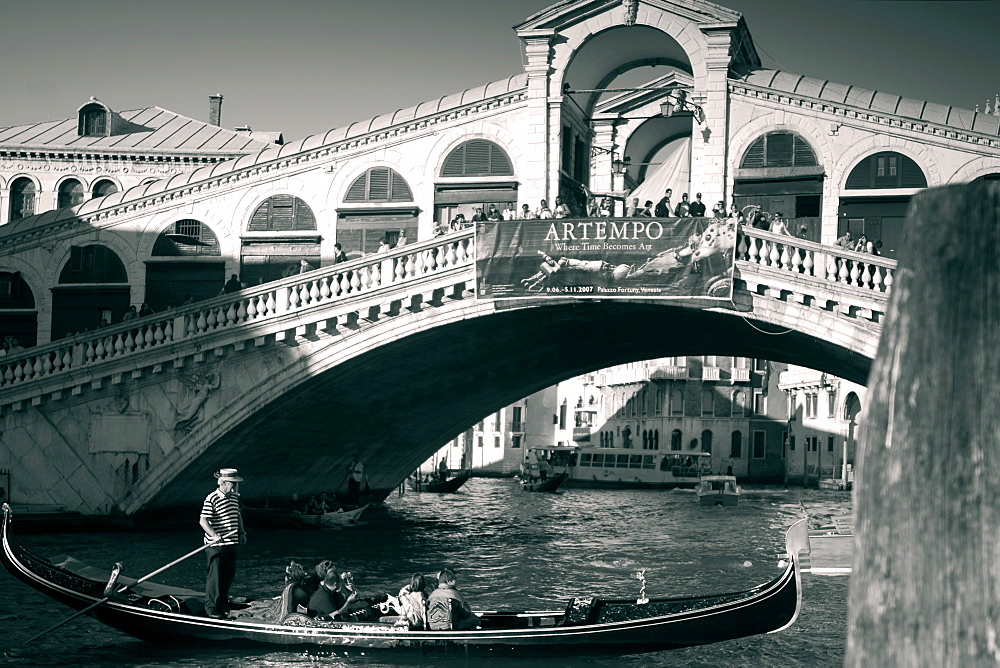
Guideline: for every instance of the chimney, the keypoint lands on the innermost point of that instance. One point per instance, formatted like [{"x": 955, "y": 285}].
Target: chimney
[{"x": 215, "y": 109}]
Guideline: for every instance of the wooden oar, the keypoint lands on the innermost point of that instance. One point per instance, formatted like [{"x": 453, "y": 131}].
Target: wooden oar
[{"x": 142, "y": 579}]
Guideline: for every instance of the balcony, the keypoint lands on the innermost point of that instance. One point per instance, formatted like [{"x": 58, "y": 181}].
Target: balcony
[
  {"x": 517, "y": 427},
  {"x": 741, "y": 375},
  {"x": 668, "y": 373},
  {"x": 710, "y": 373}
]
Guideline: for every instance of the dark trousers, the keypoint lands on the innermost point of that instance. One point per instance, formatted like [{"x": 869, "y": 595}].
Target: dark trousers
[{"x": 221, "y": 573}]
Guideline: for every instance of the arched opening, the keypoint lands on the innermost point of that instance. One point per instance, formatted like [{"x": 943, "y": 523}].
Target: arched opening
[
  {"x": 93, "y": 291},
  {"x": 185, "y": 265},
  {"x": 472, "y": 180},
  {"x": 706, "y": 441},
  {"x": 780, "y": 173},
  {"x": 601, "y": 85},
  {"x": 104, "y": 187},
  {"x": 377, "y": 207},
  {"x": 71, "y": 192},
  {"x": 676, "y": 439},
  {"x": 23, "y": 194},
  {"x": 18, "y": 314},
  {"x": 736, "y": 445},
  {"x": 880, "y": 217},
  {"x": 281, "y": 235},
  {"x": 852, "y": 412}
]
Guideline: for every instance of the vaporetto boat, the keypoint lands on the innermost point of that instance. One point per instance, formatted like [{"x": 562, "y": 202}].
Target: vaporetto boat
[{"x": 625, "y": 468}]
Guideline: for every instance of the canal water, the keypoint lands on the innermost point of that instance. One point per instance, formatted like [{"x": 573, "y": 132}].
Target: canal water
[{"x": 511, "y": 550}]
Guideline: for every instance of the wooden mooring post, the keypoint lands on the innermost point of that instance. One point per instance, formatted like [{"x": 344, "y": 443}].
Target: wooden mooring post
[{"x": 925, "y": 589}]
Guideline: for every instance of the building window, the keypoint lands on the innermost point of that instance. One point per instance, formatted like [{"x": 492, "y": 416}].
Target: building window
[
  {"x": 759, "y": 443},
  {"x": 95, "y": 123},
  {"x": 791, "y": 442},
  {"x": 186, "y": 237},
  {"x": 562, "y": 415},
  {"x": 496, "y": 441},
  {"x": 677, "y": 401},
  {"x": 708, "y": 402},
  {"x": 656, "y": 439},
  {"x": 738, "y": 403},
  {"x": 379, "y": 184},
  {"x": 104, "y": 187},
  {"x": 779, "y": 149},
  {"x": 644, "y": 403},
  {"x": 831, "y": 403},
  {"x": 22, "y": 199},
  {"x": 477, "y": 157},
  {"x": 515, "y": 441},
  {"x": 759, "y": 403},
  {"x": 675, "y": 439},
  {"x": 760, "y": 365},
  {"x": 658, "y": 407},
  {"x": 282, "y": 213},
  {"x": 736, "y": 445},
  {"x": 812, "y": 403},
  {"x": 706, "y": 441},
  {"x": 479, "y": 441},
  {"x": 886, "y": 170},
  {"x": 71, "y": 192},
  {"x": 645, "y": 439},
  {"x": 829, "y": 443},
  {"x": 498, "y": 421},
  {"x": 93, "y": 264}
]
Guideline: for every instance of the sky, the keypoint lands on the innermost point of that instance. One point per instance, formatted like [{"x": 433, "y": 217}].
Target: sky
[{"x": 303, "y": 67}]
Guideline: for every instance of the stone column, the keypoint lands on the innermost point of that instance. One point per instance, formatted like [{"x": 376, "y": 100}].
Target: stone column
[
  {"x": 601, "y": 179},
  {"x": 535, "y": 169},
  {"x": 709, "y": 140}
]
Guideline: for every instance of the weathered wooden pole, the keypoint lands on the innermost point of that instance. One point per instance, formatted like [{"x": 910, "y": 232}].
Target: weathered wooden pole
[{"x": 925, "y": 590}]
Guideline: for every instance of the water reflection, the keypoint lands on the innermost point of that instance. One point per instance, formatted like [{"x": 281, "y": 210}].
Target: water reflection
[{"x": 511, "y": 550}]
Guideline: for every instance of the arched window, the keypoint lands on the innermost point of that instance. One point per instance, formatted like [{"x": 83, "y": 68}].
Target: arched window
[
  {"x": 887, "y": 169},
  {"x": 70, "y": 192},
  {"x": 706, "y": 441},
  {"x": 282, "y": 213},
  {"x": 22, "y": 199},
  {"x": 989, "y": 178},
  {"x": 739, "y": 403},
  {"x": 779, "y": 149},
  {"x": 736, "y": 449},
  {"x": 477, "y": 157},
  {"x": 676, "y": 438},
  {"x": 104, "y": 187},
  {"x": 656, "y": 439},
  {"x": 93, "y": 264},
  {"x": 186, "y": 237},
  {"x": 708, "y": 402},
  {"x": 379, "y": 184},
  {"x": 677, "y": 401},
  {"x": 645, "y": 439},
  {"x": 95, "y": 123}
]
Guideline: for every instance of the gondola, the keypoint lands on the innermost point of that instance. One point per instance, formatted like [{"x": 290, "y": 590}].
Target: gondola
[
  {"x": 449, "y": 485},
  {"x": 548, "y": 485},
  {"x": 280, "y": 518},
  {"x": 586, "y": 626}
]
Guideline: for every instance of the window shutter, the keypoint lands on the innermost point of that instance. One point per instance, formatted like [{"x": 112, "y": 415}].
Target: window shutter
[
  {"x": 358, "y": 191},
  {"x": 454, "y": 165},
  {"x": 378, "y": 184},
  {"x": 477, "y": 157},
  {"x": 400, "y": 189},
  {"x": 802, "y": 153},
  {"x": 911, "y": 175},
  {"x": 754, "y": 157},
  {"x": 861, "y": 176},
  {"x": 282, "y": 213},
  {"x": 779, "y": 149}
]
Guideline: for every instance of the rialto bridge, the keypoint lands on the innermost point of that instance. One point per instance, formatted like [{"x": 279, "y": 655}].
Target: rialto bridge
[
  {"x": 389, "y": 358},
  {"x": 386, "y": 357}
]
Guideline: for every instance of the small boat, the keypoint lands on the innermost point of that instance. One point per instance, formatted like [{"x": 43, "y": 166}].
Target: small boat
[
  {"x": 594, "y": 467},
  {"x": 547, "y": 485},
  {"x": 282, "y": 518},
  {"x": 586, "y": 626},
  {"x": 718, "y": 490},
  {"x": 448, "y": 485}
]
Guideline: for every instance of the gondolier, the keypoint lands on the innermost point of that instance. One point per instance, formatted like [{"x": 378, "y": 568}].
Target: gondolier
[{"x": 220, "y": 517}]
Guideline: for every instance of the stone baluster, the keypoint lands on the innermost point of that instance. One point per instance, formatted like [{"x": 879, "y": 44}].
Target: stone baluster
[
  {"x": 376, "y": 275},
  {"x": 888, "y": 281},
  {"x": 168, "y": 331},
  {"x": 843, "y": 274},
  {"x": 866, "y": 276},
  {"x": 418, "y": 264},
  {"x": 461, "y": 253},
  {"x": 400, "y": 269},
  {"x": 324, "y": 288},
  {"x": 752, "y": 252},
  {"x": 241, "y": 310},
  {"x": 451, "y": 255},
  {"x": 741, "y": 247},
  {"x": 855, "y": 272},
  {"x": 37, "y": 368},
  {"x": 18, "y": 371},
  {"x": 355, "y": 281},
  {"x": 99, "y": 350},
  {"x": 8, "y": 374},
  {"x": 345, "y": 284},
  {"x": 293, "y": 298},
  {"x": 784, "y": 259},
  {"x": 877, "y": 278},
  {"x": 313, "y": 292},
  {"x": 270, "y": 304},
  {"x": 130, "y": 342},
  {"x": 807, "y": 263},
  {"x": 410, "y": 267},
  {"x": 304, "y": 295}
]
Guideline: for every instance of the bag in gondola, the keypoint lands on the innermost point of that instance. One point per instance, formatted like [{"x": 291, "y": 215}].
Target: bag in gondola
[{"x": 167, "y": 604}]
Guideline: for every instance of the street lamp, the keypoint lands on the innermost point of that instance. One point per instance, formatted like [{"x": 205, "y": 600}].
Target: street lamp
[
  {"x": 677, "y": 101},
  {"x": 618, "y": 165}
]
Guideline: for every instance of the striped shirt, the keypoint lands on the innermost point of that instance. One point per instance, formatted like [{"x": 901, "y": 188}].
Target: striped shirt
[{"x": 223, "y": 515}]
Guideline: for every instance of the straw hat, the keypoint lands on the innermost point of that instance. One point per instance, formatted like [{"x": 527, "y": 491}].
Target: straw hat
[{"x": 228, "y": 475}]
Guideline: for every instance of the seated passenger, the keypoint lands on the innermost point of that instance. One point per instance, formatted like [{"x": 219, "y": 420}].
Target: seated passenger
[
  {"x": 442, "y": 614},
  {"x": 330, "y": 600},
  {"x": 313, "y": 507}
]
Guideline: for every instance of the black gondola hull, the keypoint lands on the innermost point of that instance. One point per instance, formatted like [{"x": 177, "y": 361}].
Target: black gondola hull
[{"x": 588, "y": 626}]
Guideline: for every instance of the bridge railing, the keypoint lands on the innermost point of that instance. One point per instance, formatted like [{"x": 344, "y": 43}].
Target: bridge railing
[
  {"x": 829, "y": 263},
  {"x": 254, "y": 305}
]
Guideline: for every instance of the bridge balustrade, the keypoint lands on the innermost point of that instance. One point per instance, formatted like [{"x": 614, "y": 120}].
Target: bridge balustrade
[
  {"x": 829, "y": 263},
  {"x": 254, "y": 305}
]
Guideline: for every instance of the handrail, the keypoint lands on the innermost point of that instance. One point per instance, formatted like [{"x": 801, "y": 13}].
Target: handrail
[{"x": 258, "y": 304}]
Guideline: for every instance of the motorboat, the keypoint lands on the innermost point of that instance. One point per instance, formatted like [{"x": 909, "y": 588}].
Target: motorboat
[{"x": 718, "y": 490}]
